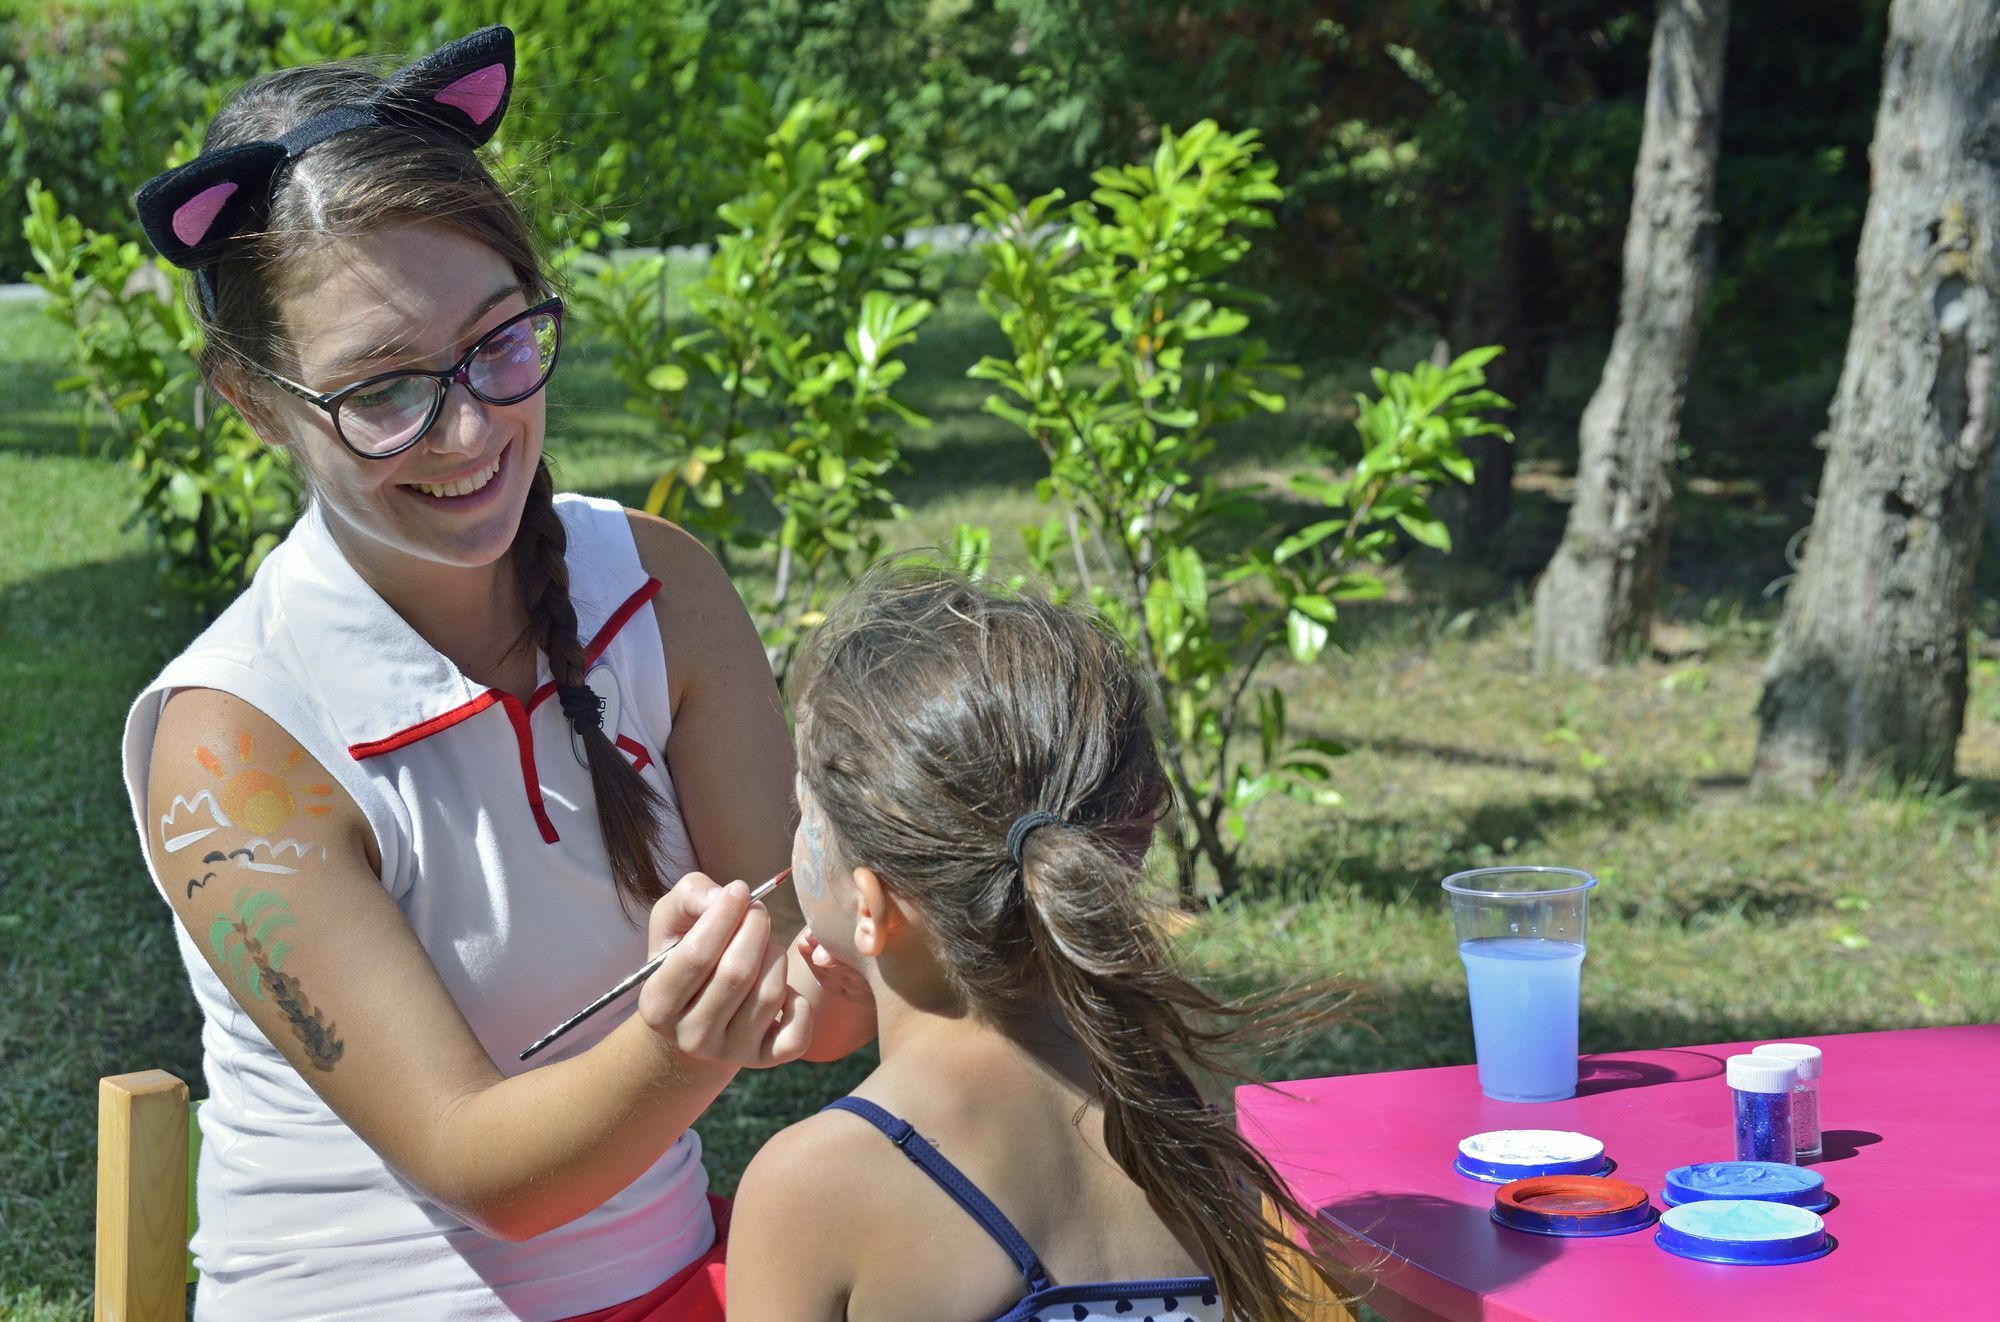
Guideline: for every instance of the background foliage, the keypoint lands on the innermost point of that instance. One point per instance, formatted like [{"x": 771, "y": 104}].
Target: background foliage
[{"x": 1444, "y": 173}]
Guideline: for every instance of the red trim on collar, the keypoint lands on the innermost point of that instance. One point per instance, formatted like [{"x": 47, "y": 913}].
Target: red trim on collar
[
  {"x": 424, "y": 729},
  {"x": 518, "y": 713},
  {"x": 617, "y": 620}
]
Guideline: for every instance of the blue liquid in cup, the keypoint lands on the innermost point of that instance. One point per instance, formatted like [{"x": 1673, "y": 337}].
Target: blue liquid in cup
[{"x": 1524, "y": 993}]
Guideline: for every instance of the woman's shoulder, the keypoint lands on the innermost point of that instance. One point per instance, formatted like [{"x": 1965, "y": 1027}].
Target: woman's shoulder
[
  {"x": 702, "y": 619},
  {"x": 673, "y": 555}
]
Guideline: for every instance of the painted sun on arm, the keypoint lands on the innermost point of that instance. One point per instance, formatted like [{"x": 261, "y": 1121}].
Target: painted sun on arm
[{"x": 258, "y": 799}]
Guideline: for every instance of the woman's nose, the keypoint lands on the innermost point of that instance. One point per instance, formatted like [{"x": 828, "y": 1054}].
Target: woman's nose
[{"x": 462, "y": 423}]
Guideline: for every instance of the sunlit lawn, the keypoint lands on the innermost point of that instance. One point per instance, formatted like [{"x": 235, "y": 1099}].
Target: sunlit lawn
[{"x": 1856, "y": 914}]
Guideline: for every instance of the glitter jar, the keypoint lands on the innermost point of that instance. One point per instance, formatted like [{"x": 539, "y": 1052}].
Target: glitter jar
[
  {"x": 1805, "y": 1094},
  {"x": 1762, "y": 1089}
]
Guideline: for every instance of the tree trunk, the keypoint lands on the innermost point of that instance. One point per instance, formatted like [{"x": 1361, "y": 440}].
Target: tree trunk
[
  {"x": 1490, "y": 305},
  {"x": 1868, "y": 676},
  {"x": 1595, "y": 603},
  {"x": 1492, "y": 309}
]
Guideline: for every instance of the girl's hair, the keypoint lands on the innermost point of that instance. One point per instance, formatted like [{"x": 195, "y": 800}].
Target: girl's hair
[
  {"x": 933, "y": 713},
  {"x": 359, "y": 182}
]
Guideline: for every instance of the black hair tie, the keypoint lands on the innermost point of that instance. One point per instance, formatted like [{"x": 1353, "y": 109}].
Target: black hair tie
[
  {"x": 1017, "y": 834},
  {"x": 582, "y": 705}
]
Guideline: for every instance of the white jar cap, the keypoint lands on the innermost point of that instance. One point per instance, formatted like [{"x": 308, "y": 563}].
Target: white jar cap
[
  {"x": 1761, "y": 1074},
  {"x": 1801, "y": 1055}
]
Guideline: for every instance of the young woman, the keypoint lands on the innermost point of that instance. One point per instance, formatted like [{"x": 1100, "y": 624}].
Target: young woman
[
  {"x": 412, "y": 796},
  {"x": 978, "y": 787}
]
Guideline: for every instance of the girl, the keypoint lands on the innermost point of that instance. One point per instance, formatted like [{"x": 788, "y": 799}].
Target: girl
[
  {"x": 413, "y": 794},
  {"x": 978, "y": 786}
]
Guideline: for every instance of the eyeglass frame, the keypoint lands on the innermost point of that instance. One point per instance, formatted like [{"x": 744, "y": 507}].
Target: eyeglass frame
[{"x": 331, "y": 401}]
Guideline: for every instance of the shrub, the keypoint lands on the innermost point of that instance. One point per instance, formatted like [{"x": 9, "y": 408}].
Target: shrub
[
  {"x": 212, "y": 496},
  {"x": 784, "y": 387},
  {"x": 1129, "y": 353}
]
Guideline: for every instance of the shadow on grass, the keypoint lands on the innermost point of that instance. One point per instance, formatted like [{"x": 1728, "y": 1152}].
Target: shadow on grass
[
  {"x": 40, "y": 421},
  {"x": 1392, "y": 861}
]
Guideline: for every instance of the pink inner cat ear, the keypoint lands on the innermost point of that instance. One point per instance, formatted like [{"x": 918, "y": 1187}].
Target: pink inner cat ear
[
  {"x": 478, "y": 93},
  {"x": 193, "y": 217}
]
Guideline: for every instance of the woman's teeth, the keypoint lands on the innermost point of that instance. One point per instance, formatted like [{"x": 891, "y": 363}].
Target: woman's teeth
[{"x": 465, "y": 486}]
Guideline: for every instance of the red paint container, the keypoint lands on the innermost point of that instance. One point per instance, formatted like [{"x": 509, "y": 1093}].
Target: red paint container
[{"x": 1572, "y": 1206}]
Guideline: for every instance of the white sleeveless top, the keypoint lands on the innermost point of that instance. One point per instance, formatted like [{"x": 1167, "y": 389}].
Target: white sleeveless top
[{"x": 489, "y": 843}]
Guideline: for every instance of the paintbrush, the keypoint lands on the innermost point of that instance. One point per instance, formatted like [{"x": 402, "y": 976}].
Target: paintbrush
[{"x": 634, "y": 978}]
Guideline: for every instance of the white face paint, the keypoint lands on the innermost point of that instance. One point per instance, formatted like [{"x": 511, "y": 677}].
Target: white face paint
[
  {"x": 262, "y": 855},
  {"x": 181, "y": 827}
]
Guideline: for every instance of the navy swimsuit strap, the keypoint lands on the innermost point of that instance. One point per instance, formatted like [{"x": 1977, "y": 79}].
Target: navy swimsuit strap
[{"x": 953, "y": 1181}]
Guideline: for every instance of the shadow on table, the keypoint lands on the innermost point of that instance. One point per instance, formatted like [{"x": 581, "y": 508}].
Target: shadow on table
[
  {"x": 1596, "y": 1074},
  {"x": 1840, "y": 1144},
  {"x": 1483, "y": 1257}
]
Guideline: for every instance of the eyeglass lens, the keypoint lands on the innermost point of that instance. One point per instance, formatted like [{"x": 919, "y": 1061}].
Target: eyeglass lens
[{"x": 506, "y": 367}]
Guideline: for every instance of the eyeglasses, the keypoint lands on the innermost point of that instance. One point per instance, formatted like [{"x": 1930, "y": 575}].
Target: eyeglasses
[{"x": 386, "y": 414}]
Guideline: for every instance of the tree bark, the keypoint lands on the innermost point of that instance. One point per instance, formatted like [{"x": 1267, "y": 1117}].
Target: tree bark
[
  {"x": 1868, "y": 675},
  {"x": 1595, "y": 603},
  {"x": 1490, "y": 305}
]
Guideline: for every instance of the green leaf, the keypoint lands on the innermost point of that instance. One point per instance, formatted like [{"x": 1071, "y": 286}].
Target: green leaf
[
  {"x": 1306, "y": 538},
  {"x": 1431, "y": 532},
  {"x": 1307, "y": 636},
  {"x": 668, "y": 378},
  {"x": 183, "y": 497}
]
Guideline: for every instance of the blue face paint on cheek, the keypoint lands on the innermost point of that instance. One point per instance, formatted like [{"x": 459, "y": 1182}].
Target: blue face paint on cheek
[{"x": 813, "y": 880}]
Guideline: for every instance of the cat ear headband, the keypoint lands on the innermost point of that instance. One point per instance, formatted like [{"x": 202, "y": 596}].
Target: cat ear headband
[{"x": 192, "y": 211}]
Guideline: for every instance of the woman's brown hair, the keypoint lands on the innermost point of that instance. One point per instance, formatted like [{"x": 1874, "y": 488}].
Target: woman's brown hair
[
  {"x": 933, "y": 714},
  {"x": 359, "y": 182}
]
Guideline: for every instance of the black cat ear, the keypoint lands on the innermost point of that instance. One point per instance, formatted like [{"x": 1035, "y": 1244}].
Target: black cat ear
[
  {"x": 189, "y": 212},
  {"x": 463, "y": 84}
]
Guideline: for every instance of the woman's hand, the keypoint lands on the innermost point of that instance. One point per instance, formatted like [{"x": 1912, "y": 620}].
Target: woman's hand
[
  {"x": 839, "y": 978},
  {"x": 721, "y": 995}
]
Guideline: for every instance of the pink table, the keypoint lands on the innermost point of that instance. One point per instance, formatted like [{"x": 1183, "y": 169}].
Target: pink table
[{"x": 1912, "y": 1117}]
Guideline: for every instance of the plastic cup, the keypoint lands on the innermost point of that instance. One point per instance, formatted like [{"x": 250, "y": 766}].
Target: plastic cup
[{"x": 1521, "y": 934}]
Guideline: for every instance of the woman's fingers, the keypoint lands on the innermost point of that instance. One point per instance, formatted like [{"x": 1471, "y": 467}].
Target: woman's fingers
[
  {"x": 751, "y": 1020},
  {"x": 706, "y": 923},
  {"x": 721, "y": 993},
  {"x": 675, "y": 912}
]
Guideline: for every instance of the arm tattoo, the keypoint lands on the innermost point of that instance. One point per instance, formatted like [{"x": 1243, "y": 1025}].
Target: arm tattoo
[{"x": 243, "y": 946}]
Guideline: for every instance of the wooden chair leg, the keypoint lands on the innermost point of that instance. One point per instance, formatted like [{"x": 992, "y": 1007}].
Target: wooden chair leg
[
  {"x": 1327, "y": 1305},
  {"x": 142, "y": 1176}
]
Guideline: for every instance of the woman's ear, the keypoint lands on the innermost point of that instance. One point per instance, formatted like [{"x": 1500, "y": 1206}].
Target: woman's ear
[
  {"x": 232, "y": 384},
  {"x": 877, "y": 916}
]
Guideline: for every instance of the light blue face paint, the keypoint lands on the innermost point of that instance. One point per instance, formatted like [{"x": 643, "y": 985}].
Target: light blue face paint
[
  {"x": 812, "y": 881},
  {"x": 1743, "y": 1232}
]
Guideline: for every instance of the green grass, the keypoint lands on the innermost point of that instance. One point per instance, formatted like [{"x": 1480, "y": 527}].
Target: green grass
[{"x": 1861, "y": 913}]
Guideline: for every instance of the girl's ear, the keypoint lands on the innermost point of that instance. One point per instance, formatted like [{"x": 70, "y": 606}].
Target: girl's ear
[{"x": 877, "y": 916}]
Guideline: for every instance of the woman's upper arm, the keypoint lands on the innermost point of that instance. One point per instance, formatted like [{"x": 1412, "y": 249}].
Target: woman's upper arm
[
  {"x": 730, "y": 753},
  {"x": 266, "y": 862}
]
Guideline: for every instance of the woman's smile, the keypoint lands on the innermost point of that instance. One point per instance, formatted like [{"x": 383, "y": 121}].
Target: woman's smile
[{"x": 471, "y": 490}]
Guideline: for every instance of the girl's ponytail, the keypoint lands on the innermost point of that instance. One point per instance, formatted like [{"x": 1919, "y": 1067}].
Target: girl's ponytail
[
  {"x": 994, "y": 758},
  {"x": 1146, "y": 1029},
  {"x": 627, "y": 807}
]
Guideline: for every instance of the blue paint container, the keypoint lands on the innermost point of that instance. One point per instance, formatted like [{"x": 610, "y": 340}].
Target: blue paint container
[
  {"x": 1761, "y": 1087},
  {"x": 1740, "y": 1181},
  {"x": 1503, "y": 1155},
  {"x": 1743, "y": 1233}
]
